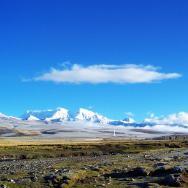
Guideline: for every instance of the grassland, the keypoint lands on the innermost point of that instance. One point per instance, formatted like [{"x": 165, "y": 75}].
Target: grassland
[
  {"x": 32, "y": 149},
  {"x": 88, "y": 163}
]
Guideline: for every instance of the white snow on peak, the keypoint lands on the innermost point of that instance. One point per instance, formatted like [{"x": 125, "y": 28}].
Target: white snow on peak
[
  {"x": 88, "y": 115},
  {"x": 8, "y": 117},
  {"x": 61, "y": 114},
  {"x": 32, "y": 118},
  {"x": 3, "y": 115},
  {"x": 129, "y": 120},
  {"x": 42, "y": 119}
]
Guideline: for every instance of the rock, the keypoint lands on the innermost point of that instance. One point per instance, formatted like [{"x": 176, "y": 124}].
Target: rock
[
  {"x": 159, "y": 165},
  {"x": 62, "y": 171},
  {"x": 34, "y": 178},
  {"x": 177, "y": 169},
  {"x": 147, "y": 156},
  {"x": 49, "y": 177},
  {"x": 116, "y": 174},
  {"x": 166, "y": 170},
  {"x": 176, "y": 157},
  {"x": 65, "y": 179},
  {"x": 3, "y": 186},
  {"x": 171, "y": 180},
  {"x": 137, "y": 172},
  {"x": 12, "y": 181},
  {"x": 94, "y": 168},
  {"x": 57, "y": 180}
]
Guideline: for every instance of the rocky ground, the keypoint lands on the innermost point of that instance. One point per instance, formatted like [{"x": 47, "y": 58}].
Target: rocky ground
[{"x": 163, "y": 167}]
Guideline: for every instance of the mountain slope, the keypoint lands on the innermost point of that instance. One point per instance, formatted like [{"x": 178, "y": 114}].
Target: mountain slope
[
  {"x": 87, "y": 115},
  {"x": 60, "y": 114}
]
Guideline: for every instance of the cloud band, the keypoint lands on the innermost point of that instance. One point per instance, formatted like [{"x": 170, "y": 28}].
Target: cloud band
[{"x": 102, "y": 74}]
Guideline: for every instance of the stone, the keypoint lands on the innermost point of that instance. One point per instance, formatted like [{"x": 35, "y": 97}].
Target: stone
[
  {"x": 166, "y": 170},
  {"x": 137, "y": 172},
  {"x": 3, "y": 186},
  {"x": 171, "y": 180}
]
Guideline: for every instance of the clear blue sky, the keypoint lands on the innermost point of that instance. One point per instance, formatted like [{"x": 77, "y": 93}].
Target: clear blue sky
[{"x": 36, "y": 35}]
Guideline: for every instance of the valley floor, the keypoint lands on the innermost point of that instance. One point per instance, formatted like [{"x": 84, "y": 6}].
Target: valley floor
[{"x": 94, "y": 163}]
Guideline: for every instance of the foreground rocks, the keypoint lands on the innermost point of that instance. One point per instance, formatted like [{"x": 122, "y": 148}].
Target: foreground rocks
[
  {"x": 160, "y": 168},
  {"x": 172, "y": 177}
]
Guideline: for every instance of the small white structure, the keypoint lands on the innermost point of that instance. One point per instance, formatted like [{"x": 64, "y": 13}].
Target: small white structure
[{"x": 114, "y": 133}]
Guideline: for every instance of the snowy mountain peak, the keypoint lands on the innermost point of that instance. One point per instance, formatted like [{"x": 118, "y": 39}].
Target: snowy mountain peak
[
  {"x": 59, "y": 114},
  {"x": 129, "y": 120},
  {"x": 32, "y": 118},
  {"x": 2, "y": 115},
  {"x": 84, "y": 113},
  {"x": 88, "y": 115},
  {"x": 125, "y": 122}
]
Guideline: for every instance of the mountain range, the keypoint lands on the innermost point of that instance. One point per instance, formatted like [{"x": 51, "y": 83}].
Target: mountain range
[
  {"x": 84, "y": 123},
  {"x": 61, "y": 115}
]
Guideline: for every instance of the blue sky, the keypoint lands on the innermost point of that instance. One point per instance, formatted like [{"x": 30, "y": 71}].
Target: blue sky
[{"x": 36, "y": 35}]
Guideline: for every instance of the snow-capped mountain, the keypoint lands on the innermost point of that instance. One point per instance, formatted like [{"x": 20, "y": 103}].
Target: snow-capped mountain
[
  {"x": 60, "y": 114},
  {"x": 88, "y": 115},
  {"x": 32, "y": 118},
  {"x": 2, "y": 115},
  {"x": 84, "y": 119},
  {"x": 129, "y": 120},
  {"x": 125, "y": 122}
]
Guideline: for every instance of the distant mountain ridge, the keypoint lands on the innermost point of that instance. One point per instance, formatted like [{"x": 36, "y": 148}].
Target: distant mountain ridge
[
  {"x": 88, "y": 115},
  {"x": 61, "y": 115}
]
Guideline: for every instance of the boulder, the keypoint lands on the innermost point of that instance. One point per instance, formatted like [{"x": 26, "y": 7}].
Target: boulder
[
  {"x": 137, "y": 172},
  {"x": 171, "y": 180},
  {"x": 166, "y": 170}
]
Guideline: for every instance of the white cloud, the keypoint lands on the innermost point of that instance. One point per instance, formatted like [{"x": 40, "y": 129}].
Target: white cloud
[
  {"x": 180, "y": 118},
  {"x": 99, "y": 74},
  {"x": 166, "y": 128}
]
